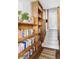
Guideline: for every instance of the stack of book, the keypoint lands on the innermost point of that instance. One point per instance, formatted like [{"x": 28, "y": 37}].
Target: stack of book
[{"x": 25, "y": 44}]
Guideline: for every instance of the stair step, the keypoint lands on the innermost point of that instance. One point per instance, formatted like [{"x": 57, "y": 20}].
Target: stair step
[
  {"x": 51, "y": 41},
  {"x": 54, "y": 46}
]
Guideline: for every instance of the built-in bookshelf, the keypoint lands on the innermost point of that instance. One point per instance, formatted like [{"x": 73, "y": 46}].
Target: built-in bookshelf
[
  {"x": 29, "y": 34},
  {"x": 37, "y": 11}
]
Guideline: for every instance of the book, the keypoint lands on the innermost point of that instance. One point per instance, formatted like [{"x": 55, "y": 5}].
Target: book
[
  {"x": 30, "y": 52},
  {"x": 22, "y": 31},
  {"x": 21, "y": 47}
]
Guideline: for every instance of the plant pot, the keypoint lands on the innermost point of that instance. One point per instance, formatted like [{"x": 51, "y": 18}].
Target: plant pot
[{"x": 25, "y": 21}]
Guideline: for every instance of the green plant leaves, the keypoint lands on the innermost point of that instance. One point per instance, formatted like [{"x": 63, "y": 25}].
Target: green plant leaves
[{"x": 25, "y": 16}]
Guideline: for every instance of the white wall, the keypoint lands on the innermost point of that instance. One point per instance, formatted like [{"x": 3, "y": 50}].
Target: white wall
[
  {"x": 25, "y": 5},
  {"x": 47, "y": 4},
  {"x": 52, "y": 18}
]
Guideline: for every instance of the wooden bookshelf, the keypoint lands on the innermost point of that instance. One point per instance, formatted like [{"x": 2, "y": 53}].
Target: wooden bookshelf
[
  {"x": 37, "y": 13},
  {"x": 22, "y": 23}
]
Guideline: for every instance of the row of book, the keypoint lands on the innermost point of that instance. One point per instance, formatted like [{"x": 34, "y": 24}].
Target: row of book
[
  {"x": 25, "y": 44},
  {"x": 24, "y": 32},
  {"x": 28, "y": 54}
]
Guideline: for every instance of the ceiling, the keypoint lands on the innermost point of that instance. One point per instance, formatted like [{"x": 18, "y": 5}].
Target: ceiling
[{"x": 48, "y": 4}]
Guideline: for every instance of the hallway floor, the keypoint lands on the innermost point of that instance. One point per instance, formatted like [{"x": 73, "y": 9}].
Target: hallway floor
[{"x": 58, "y": 55}]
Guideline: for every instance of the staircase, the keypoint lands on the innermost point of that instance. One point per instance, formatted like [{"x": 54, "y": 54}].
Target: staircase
[{"x": 51, "y": 39}]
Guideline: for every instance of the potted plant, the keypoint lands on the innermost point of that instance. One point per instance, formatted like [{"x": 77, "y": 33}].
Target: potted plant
[{"x": 25, "y": 17}]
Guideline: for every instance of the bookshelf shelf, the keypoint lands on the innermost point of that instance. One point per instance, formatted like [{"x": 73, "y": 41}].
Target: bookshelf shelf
[
  {"x": 22, "y": 23},
  {"x": 25, "y": 38}
]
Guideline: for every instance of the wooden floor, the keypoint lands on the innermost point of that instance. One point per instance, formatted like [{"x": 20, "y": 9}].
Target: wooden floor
[{"x": 58, "y": 55}]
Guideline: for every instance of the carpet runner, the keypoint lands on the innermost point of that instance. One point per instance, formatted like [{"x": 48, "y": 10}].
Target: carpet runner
[{"x": 48, "y": 54}]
